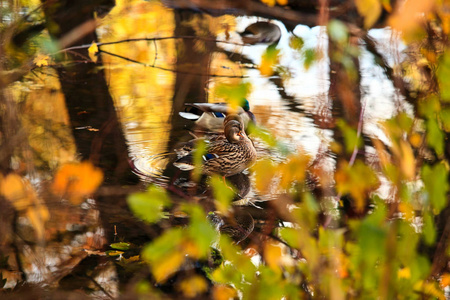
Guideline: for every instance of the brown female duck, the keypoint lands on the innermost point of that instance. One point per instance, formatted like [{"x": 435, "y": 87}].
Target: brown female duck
[{"x": 226, "y": 155}]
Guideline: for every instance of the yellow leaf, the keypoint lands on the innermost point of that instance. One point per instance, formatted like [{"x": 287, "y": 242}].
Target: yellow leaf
[
  {"x": 38, "y": 215},
  {"x": 193, "y": 286},
  {"x": 13, "y": 188},
  {"x": 23, "y": 197},
  {"x": 408, "y": 161},
  {"x": 370, "y": 10},
  {"x": 404, "y": 273},
  {"x": 294, "y": 170},
  {"x": 93, "y": 52},
  {"x": 166, "y": 267},
  {"x": 223, "y": 292},
  {"x": 269, "y": 2},
  {"x": 264, "y": 172},
  {"x": 268, "y": 61},
  {"x": 415, "y": 139},
  {"x": 191, "y": 248},
  {"x": 77, "y": 180},
  {"x": 407, "y": 210},
  {"x": 41, "y": 60},
  {"x": 272, "y": 255}
]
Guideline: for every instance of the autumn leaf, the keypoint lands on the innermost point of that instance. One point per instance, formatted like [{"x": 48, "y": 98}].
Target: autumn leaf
[
  {"x": 445, "y": 280},
  {"x": 408, "y": 15},
  {"x": 358, "y": 180},
  {"x": 273, "y": 255},
  {"x": 223, "y": 193},
  {"x": 268, "y": 61},
  {"x": 77, "y": 180},
  {"x": 233, "y": 93},
  {"x": 41, "y": 60},
  {"x": 21, "y": 195},
  {"x": 148, "y": 205},
  {"x": 167, "y": 266},
  {"x": 264, "y": 173},
  {"x": 269, "y": 2},
  {"x": 193, "y": 286},
  {"x": 93, "y": 52},
  {"x": 370, "y": 10},
  {"x": 223, "y": 292},
  {"x": 404, "y": 273}
]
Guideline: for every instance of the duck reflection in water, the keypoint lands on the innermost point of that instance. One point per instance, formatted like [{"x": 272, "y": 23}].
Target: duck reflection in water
[
  {"x": 261, "y": 33},
  {"x": 237, "y": 225}
]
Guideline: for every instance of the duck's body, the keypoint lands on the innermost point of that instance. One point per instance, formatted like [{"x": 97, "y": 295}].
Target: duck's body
[
  {"x": 225, "y": 155},
  {"x": 211, "y": 116}
]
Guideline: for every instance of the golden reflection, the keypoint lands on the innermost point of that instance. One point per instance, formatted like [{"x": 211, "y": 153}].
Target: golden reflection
[
  {"x": 44, "y": 119},
  {"x": 142, "y": 94}
]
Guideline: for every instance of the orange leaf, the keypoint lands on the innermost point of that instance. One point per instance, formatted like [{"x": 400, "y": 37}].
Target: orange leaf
[
  {"x": 193, "y": 286},
  {"x": 408, "y": 14},
  {"x": 445, "y": 280},
  {"x": 223, "y": 292},
  {"x": 77, "y": 180},
  {"x": 272, "y": 255},
  {"x": 12, "y": 187},
  {"x": 23, "y": 197}
]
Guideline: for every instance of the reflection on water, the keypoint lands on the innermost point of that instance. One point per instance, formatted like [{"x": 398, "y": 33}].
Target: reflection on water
[
  {"x": 151, "y": 167},
  {"x": 294, "y": 112}
]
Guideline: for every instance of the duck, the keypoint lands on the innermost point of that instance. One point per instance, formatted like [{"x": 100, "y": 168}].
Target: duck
[
  {"x": 210, "y": 116},
  {"x": 227, "y": 154},
  {"x": 261, "y": 33},
  {"x": 238, "y": 225}
]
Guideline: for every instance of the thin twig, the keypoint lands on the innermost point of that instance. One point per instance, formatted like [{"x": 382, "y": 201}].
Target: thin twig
[
  {"x": 167, "y": 69},
  {"x": 85, "y": 46}
]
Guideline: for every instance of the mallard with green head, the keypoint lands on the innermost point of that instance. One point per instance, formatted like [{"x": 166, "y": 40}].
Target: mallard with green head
[
  {"x": 226, "y": 155},
  {"x": 211, "y": 116}
]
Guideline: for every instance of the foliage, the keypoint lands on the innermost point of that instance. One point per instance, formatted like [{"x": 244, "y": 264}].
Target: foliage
[{"x": 367, "y": 229}]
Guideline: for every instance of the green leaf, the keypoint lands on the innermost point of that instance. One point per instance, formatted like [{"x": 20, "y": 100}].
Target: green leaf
[
  {"x": 223, "y": 194},
  {"x": 435, "y": 137},
  {"x": 296, "y": 43},
  {"x": 338, "y": 31},
  {"x": 234, "y": 94},
  {"x": 429, "y": 230},
  {"x": 114, "y": 253},
  {"x": 200, "y": 229},
  {"x": 200, "y": 150},
  {"x": 310, "y": 57},
  {"x": 350, "y": 136},
  {"x": 443, "y": 75},
  {"x": 445, "y": 119},
  {"x": 120, "y": 246},
  {"x": 436, "y": 185},
  {"x": 266, "y": 137},
  {"x": 161, "y": 246},
  {"x": 148, "y": 205}
]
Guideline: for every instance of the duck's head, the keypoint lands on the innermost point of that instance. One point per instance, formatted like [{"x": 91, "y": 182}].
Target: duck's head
[
  {"x": 234, "y": 130},
  {"x": 245, "y": 104}
]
